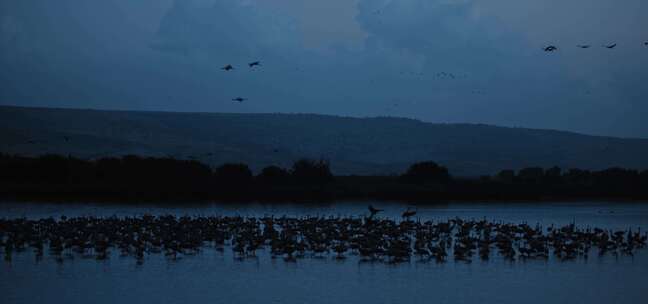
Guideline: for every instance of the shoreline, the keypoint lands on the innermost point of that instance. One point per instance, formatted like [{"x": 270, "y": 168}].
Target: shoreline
[{"x": 144, "y": 200}]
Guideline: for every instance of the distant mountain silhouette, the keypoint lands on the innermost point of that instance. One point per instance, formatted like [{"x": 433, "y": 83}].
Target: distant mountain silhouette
[{"x": 352, "y": 145}]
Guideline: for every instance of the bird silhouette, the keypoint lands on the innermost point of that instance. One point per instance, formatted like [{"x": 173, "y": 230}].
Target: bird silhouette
[
  {"x": 239, "y": 99},
  {"x": 583, "y": 46},
  {"x": 646, "y": 43},
  {"x": 611, "y": 46},
  {"x": 227, "y": 67},
  {"x": 373, "y": 210},
  {"x": 408, "y": 213},
  {"x": 253, "y": 64},
  {"x": 550, "y": 48}
]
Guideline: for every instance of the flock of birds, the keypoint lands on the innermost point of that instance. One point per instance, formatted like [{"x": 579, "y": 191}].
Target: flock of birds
[
  {"x": 370, "y": 238},
  {"x": 549, "y": 48},
  {"x": 552, "y": 48},
  {"x": 230, "y": 67}
]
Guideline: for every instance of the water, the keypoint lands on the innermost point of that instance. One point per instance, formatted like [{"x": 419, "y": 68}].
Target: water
[{"x": 213, "y": 277}]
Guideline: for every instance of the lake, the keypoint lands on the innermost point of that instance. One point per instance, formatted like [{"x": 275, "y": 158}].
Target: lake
[{"x": 215, "y": 277}]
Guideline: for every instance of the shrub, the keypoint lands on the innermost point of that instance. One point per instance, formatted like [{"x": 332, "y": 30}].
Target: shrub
[
  {"x": 239, "y": 174},
  {"x": 274, "y": 174},
  {"x": 428, "y": 171},
  {"x": 308, "y": 170}
]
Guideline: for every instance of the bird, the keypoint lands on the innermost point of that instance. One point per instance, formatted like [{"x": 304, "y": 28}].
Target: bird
[
  {"x": 550, "y": 48},
  {"x": 373, "y": 210},
  {"x": 583, "y": 46},
  {"x": 409, "y": 213},
  {"x": 256, "y": 63},
  {"x": 227, "y": 67},
  {"x": 646, "y": 43},
  {"x": 66, "y": 138},
  {"x": 611, "y": 46},
  {"x": 239, "y": 99}
]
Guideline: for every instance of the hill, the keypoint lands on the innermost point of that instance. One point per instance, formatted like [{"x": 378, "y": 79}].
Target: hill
[{"x": 353, "y": 145}]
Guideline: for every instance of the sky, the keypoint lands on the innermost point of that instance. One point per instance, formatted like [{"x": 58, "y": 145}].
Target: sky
[{"x": 445, "y": 61}]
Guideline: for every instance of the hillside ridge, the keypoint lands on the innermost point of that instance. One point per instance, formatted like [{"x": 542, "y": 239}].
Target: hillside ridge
[{"x": 370, "y": 145}]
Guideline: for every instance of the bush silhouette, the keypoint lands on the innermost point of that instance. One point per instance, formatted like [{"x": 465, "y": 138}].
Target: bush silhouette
[
  {"x": 274, "y": 174},
  {"x": 553, "y": 175},
  {"x": 239, "y": 174},
  {"x": 531, "y": 175},
  {"x": 506, "y": 176},
  {"x": 427, "y": 171},
  {"x": 135, "y": 177},
  {"x": 312, "y": 171}
]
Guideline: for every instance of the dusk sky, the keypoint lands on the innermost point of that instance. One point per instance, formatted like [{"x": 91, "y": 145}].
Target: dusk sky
[{"x": 434, "y": 60}]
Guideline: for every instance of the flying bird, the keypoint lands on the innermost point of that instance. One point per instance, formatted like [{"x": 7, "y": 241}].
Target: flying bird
[
  {"x": 227, "y": 67},
  {"x": 550, "y": 48},
  {"x": 583, "y": 46},
  {"x": 253, "y": 64},
  {"x": 239, "y": 99},
  {"x": 611, "y": 46}
]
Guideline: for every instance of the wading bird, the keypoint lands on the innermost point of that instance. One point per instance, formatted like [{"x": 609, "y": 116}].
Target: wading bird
[
  {"x": 373, "y": 210},
  {"x": 409, "y": 213}
]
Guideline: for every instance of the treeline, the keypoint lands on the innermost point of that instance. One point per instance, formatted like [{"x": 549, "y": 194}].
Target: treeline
[{"x": 138, "y": 178}]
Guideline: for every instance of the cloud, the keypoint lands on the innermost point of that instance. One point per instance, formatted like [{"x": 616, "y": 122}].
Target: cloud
[
  {"x": 344, "y": 57},
  {"x": 321, "y": 24},
  {"x": 498, "y": 44},
  {"x": 223, "y": 28}
]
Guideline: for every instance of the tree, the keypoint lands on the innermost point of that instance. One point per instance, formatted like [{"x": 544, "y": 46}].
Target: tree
[
  {"x": 308, "y": 170},
  {"x": 531, "y": 175},
  {"x": 273, "y": 174},
  {"x": 578, "y": 177},
  {"x": 236, "y": 174},
  {"x": 553, "y": 175},
  {"x": 428, "y": 171},
  {"x": 506, "y": 176}
]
